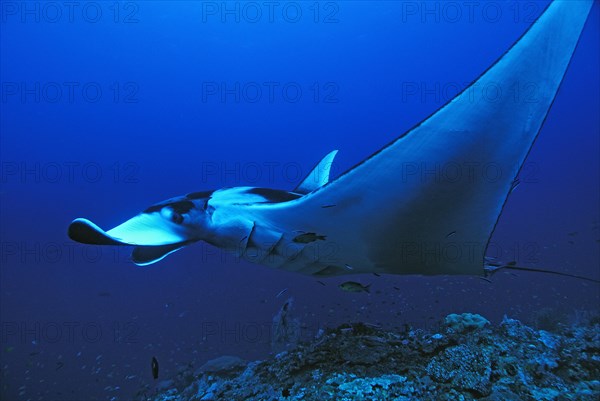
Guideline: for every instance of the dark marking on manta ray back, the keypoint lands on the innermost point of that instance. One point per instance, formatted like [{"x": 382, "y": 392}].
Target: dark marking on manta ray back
[
  {"x": 182, "y": 206},
  {"x": 156, "y": 208},
  {"x": 274, "y": 195},
  {"x": 199, "y": 195}
]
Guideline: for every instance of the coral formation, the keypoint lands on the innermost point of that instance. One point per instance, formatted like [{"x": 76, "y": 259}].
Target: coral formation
[
  {"x": 467, "y": 359},
  {"x": 465, "y": 322}
]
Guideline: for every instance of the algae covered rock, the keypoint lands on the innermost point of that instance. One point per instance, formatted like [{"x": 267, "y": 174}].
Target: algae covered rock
[{"x": 465, "y": 367}]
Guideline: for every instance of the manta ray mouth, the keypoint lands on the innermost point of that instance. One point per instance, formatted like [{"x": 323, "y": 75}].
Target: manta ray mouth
[{"x": 146, "y": 229}]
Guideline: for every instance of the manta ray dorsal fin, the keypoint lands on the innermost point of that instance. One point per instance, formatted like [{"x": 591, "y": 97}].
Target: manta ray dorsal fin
[{"x": 319, "y": 175}]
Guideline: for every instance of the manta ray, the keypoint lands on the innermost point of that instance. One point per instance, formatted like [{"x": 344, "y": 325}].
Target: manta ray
[{"x": 425, "y": 204}]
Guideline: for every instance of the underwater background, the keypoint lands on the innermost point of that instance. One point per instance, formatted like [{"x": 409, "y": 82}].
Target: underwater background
[{"x": 109, "y": 107}]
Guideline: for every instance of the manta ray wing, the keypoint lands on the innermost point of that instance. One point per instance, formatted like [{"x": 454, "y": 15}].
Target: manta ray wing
[{"x": 429, "y": 201}]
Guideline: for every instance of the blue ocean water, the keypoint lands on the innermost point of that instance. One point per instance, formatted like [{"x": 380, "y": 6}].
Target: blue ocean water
[{"x": 109, "y": 107}]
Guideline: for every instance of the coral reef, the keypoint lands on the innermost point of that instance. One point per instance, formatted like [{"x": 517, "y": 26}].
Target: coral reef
[
  {"x": 466, "y": 359},
  {"x": 465, "y": 322}
]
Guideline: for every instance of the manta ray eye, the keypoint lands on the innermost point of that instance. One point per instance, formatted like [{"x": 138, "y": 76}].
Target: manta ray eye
[{"x": 176, "y": 218}]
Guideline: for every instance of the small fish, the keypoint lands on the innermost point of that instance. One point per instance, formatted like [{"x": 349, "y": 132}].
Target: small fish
[
  {"x": 347, "y": 266},
  {"x": 59, "y": 365},
  {"x": 572, "y": 233},
  {"x": 280, "y": 293},
  {"x": 485, "y": 279},
  {"x": 450, "y": 234},
  {"x": 154, "y": 368},
  {"x": 320, "y": 282},
  {"x": 308, "y": 237},
  {"x": 327, "y": 206},
  {"x": 353, "y": 286},
  {"x": 377, "y": 274},
  {"x": 397, "y": 288}
]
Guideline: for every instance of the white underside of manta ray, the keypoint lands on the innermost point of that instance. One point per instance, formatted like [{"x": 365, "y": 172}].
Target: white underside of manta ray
[{"x": 381, "y": 216}]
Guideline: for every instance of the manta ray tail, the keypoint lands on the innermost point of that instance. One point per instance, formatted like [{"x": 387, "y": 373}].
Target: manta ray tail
[{"x": 492, "y": 269}]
